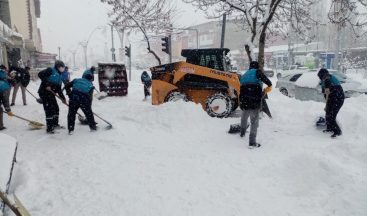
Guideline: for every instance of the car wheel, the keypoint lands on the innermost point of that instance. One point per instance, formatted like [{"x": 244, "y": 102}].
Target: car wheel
[
  {"x": 284, "y": 91},
  {"x": 219, "y": 105},
  {"x": 176, "y": 96}
]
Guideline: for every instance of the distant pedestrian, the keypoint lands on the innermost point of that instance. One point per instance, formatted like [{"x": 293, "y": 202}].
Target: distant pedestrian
[
  {"x": 251, "y": 96},
  {"x": 334, "y": 95},
  {"x": 65, "y": 76},
  {"x": 80, "y": 92},
  {"x": 51, "y": 82},
  {"x": 4, "y": 95},
  {"x": 147, "y": 82},
  {"x": 21, "y": 80}
]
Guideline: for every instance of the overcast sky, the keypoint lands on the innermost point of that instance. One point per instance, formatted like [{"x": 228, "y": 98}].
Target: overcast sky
[{"x": 65, "y": 23}]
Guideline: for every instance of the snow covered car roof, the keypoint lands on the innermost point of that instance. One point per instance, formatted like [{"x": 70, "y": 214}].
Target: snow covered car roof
[{"x": 311, "y": 80}]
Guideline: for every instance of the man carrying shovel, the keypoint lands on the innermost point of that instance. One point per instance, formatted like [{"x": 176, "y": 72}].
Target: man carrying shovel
[
  {"x": 50, "y": 86},
  {"x": 251, "y": 96},
  {"x": 80, "y": 92}
]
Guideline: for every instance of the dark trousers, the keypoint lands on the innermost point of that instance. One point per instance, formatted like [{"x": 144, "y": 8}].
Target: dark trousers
[
  {"x": 146, "y": 90},
  {"x": 51, "y": 110},
  {"x": 82, "y": 101},
  {"x": 331, "y": 114}
]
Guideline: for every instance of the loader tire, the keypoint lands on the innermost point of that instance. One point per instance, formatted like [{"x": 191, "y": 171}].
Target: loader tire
[
  {"x": 219, "y": 105},
  {"x": 176, "y": 96}
]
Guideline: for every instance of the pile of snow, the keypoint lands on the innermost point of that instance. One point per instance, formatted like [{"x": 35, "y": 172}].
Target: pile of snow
[{"x": 174, "y": 159}]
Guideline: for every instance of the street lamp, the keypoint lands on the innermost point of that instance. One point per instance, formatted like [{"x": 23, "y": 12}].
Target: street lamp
[{"x": 84, "y": 44}]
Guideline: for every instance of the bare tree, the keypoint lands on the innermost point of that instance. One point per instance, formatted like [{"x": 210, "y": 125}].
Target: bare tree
[
  {"x": 349, "y": 13},
  {"x": 263, "y": 18},
  {"x": 146, "y": 16}
]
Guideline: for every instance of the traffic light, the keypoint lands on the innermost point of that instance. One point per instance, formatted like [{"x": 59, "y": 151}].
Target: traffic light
[
  {"x": 128, "y": 51},
  {"x": 166, "y": 45}
]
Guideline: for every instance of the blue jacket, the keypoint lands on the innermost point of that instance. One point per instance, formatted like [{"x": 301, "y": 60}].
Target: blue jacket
[
  {"x": 55, "y": 78},
  {"x": 250, "y": 77},
  {"x": 4, "y": 86},
  {"x": 82, "y": 85},
  {"x": 336, "y": 90},
  {"x": 3, "y": 75}
]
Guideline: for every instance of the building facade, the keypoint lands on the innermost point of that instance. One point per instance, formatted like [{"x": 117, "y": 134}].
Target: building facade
[{"x": 21, "y": 17}]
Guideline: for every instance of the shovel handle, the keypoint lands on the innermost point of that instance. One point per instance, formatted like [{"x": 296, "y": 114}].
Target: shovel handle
[
  {"x": 27, "y": 120},
  {"x": 66, "y": 103},
  {"x": 31, "y": 93}
]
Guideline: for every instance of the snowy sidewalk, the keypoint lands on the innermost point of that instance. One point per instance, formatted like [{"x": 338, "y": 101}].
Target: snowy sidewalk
[{"x": 173, "y": 159}]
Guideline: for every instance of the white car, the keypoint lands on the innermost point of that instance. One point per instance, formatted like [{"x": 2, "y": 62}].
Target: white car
[{"x": 306, "y": 86}]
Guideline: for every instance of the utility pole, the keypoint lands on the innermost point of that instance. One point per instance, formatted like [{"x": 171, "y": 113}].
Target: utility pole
[
  {"x": 74, "y": 54},
  {"x": 59, "y": 53},
  {"x": 113, "y": 45},
  {"x": 170, "y": 48},
  {"x": 130, "y": 63},
  {"x": 84, "y": 44},
  {"x": 128, "y": 54},
  {"x": 121, "y": 33},
  {"x": 223, "y": 30}
]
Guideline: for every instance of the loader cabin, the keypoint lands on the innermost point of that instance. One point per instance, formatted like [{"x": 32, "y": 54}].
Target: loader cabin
[{"x": 210, "y": 58}]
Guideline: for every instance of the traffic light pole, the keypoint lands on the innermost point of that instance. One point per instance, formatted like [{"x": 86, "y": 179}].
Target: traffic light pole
[
  {"x": 170, "y": 48},
  {"x": 130, "y": 63}
]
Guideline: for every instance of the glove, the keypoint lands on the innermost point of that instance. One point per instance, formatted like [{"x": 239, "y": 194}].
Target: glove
[
  {"x": 268, "y": 89},
  {"x": 10, "y": 114}
]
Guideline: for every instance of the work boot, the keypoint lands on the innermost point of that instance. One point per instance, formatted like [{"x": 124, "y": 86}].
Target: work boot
[
  {"x": 71, "y": 132},
  {"x": 243, "y": 132},
  {"x": 2, "y": 128},
  {"x": 58, "y": 127},
  {"x": 335, "y": 135},
  {"x": 50, "y": 130},
  {"x": 254, "y": 145},
  {"x": 12, "y": 104}
]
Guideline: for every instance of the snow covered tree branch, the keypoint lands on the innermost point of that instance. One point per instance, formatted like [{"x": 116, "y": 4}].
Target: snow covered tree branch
[
  {"x": 263, "y": 18},
  {"x": 349, "y": 13},
  {"x": 142, "y": 15}
]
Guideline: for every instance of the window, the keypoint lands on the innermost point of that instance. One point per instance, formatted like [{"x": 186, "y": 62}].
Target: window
[{"x": 295, "y": 77}]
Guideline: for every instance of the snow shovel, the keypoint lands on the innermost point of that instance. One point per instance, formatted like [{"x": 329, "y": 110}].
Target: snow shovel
[
  {"x": 81, "y": 118},
  {"x": 39, "y": 100},
  {"x": 32, "y": 124},
  {"x": 17, "y": 208},
  {"x": 109, "y": 125},
  {"x": 264, "y": 106},
  {"x": 100, "y": 95}
]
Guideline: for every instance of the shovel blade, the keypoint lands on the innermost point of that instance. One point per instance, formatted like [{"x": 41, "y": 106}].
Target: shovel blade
[
  {"x": 101, "y": 95},
  {"x": 35, "y": 125}
]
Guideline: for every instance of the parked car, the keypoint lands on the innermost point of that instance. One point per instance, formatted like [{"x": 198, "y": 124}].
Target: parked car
[
  {"x": 292, "y": 70},
  {"x": 269, "y": 72},
  {"x": 306, "y": 86}
]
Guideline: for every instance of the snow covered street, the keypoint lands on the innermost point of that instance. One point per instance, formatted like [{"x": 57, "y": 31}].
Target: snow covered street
[{"x": 174, "y": 159}]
